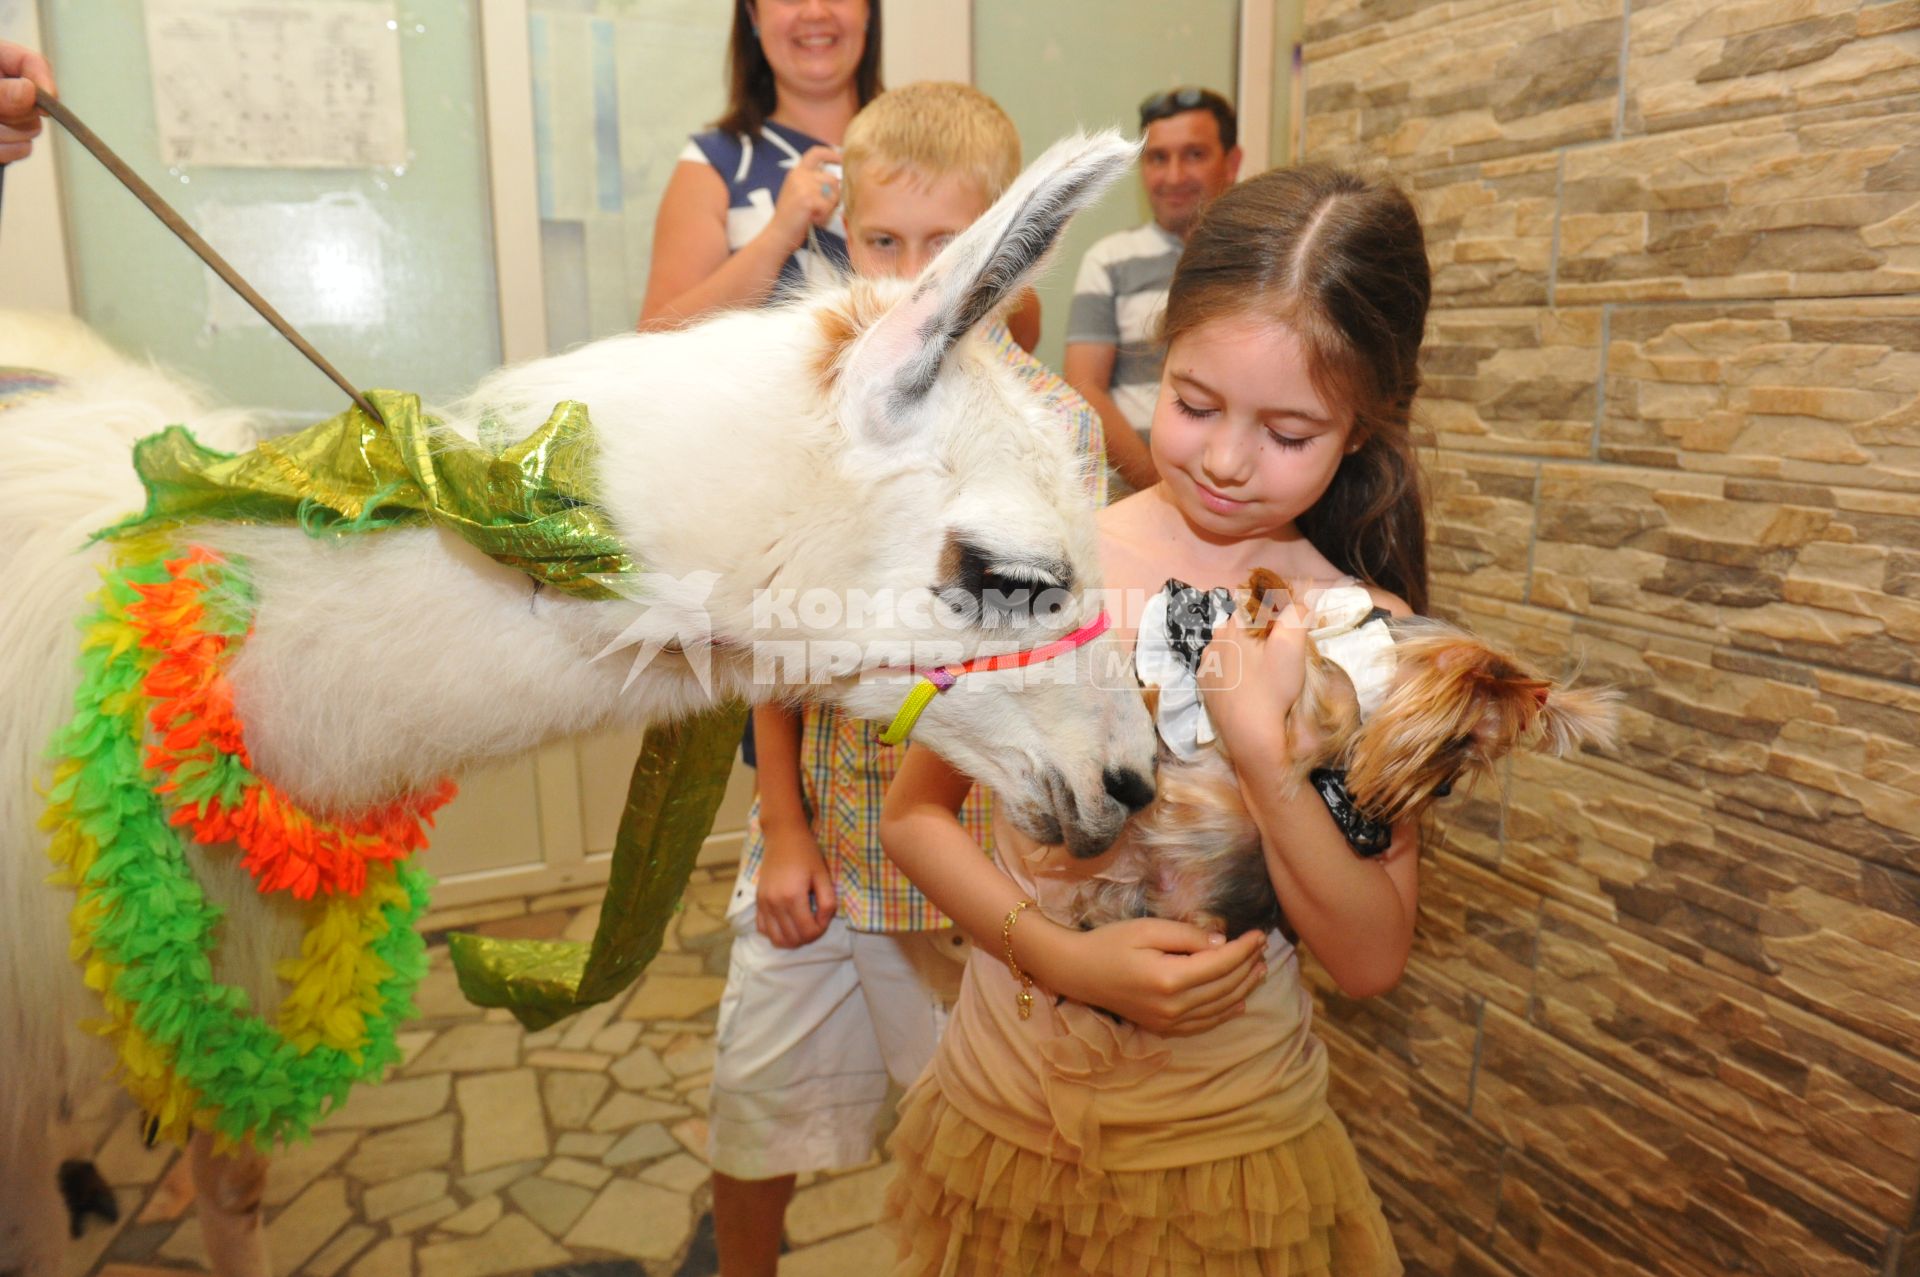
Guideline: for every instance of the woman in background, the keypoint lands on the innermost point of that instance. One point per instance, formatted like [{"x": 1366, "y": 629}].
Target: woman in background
[{"x": 756, "y": 197}]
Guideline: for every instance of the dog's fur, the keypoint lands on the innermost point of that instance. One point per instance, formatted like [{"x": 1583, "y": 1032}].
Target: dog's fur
[
  {"x": 862, "y": 437},
  {"x": 1455, "y": 707}
]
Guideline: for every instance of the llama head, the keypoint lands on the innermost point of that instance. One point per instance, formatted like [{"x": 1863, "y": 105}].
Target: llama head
[{"x": 975, "y": 504}]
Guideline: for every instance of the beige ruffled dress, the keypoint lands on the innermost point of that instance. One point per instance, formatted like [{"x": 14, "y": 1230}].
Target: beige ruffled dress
[{"x": 1072, "y": 1144}]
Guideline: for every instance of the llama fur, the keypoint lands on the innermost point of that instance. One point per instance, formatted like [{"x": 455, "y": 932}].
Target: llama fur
[{"x": 862, "y": 435}]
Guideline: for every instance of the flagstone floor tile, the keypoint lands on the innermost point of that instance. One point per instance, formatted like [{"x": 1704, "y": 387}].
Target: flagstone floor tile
[
  {"x": 471, "y": 1048},
  {"x": 867, "y": 1251},
  {"x": 641, "y": 1070},
  {"x": 308, "y": 1223},
  {"x": 554, "y": 1206},
  {"x": 580, "y": 1144},
  {"x": 503, "y": 1119},
  {"x": 569, "y": 1171},
  {"x": 391, "y": 1103},
  {"x": 572, "y": 1097},
  {"x": 513, "y": 1245},
  {"x": 623, "y": 1112},
  {"x": 404, "y": 1194},
  {"x": 495, "y": 1180},
  {"x": 388, "y": 1154},
  {"x": 340, "y": 1252},
  {"x": 475, "y": 1219},
  {"x": 391, "y": 1258},
  {"x": 582, "y": 1028},
  {"x": 630, "y": 1218},
  {"x": 683, "y": 1172}
]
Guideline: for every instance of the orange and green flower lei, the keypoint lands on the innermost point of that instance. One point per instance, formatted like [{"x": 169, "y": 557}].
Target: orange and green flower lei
[{"x": 154, "y": 755}]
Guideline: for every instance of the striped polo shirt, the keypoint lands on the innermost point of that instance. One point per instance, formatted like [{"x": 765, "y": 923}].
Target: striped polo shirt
[
  {"x": 1118, "y": 299},
  {"x": 753, "y": 169}
]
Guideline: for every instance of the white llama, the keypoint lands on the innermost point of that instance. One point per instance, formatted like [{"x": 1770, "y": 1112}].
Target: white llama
[{"x": 861, "y": 437}]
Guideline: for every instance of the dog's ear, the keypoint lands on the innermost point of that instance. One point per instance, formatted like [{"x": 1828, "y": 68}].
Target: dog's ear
[
  {"x": 1569, "y": 717},
  {"x": 1336, "y": 703},
  {"x": 1267, "y": 593},
  {"x": 1456, "y": 707}
]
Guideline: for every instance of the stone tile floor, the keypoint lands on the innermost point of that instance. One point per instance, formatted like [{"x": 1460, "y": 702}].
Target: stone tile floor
[{"x": 577, "y": 1151}]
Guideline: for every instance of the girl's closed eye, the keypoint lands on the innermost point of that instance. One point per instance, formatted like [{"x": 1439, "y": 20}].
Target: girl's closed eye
[
  {"x": 1291, "y": 441},
  {"x": 1187, "y": 409}
]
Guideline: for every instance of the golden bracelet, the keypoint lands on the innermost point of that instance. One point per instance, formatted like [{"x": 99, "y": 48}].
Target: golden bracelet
[{"x": 1025, "y": 996}]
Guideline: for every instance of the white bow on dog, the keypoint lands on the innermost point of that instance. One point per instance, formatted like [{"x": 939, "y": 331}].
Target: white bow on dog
[
  {"x": 1176, "y": 629},
  {"x": 1179, "y": 622},
  {"x": 1351, "y": 632}
]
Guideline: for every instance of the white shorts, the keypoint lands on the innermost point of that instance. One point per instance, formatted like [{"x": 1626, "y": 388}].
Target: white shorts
[{"x": 808, "y": 1039}]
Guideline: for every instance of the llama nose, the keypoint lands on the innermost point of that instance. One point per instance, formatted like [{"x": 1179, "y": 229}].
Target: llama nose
[{"x": 1127, "y": 787}]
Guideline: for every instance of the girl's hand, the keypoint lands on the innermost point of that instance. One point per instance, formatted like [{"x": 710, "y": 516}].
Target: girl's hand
[
  {"x": 794, "y": 899},
  {"x": 808, "y": 196},
  {"x": 1167, "y": 977},
  {"x": 1249, "y": 684}
]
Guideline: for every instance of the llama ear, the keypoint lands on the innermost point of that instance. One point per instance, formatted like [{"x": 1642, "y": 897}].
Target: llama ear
[{"x": 898, "y": 359}]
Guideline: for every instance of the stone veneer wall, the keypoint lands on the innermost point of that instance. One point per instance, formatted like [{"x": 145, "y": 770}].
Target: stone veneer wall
[{"x": 1664, "y": 1016}]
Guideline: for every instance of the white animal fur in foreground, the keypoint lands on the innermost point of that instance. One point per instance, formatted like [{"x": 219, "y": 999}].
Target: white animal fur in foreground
[{"x": 860, "y": 437}]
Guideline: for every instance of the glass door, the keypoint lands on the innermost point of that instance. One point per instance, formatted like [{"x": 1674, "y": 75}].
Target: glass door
[
  {"x": 334, "y": 151},
  {"x": 1074, "y": 64}
]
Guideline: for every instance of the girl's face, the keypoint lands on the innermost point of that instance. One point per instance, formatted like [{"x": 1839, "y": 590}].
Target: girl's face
[
  {"x": 813, "y": 46},
  {"x": 1243, "y": 442}
]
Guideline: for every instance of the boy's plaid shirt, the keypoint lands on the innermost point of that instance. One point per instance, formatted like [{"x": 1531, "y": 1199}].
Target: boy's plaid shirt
[{"x": 845, "y": 770}]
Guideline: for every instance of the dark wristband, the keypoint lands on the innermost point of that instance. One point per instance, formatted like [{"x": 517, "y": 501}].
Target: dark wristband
[{"x": 1367, "y": 836}]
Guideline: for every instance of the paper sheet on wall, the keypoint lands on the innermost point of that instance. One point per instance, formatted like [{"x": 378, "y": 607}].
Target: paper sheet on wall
[{"x": 293, "y": 84}]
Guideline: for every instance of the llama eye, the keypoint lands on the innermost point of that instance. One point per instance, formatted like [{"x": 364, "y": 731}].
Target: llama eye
[
  {"x": 1002, "y": 593},
  {"x": 1009, "y": 600},
  {"x": 1003, "y": 598}
]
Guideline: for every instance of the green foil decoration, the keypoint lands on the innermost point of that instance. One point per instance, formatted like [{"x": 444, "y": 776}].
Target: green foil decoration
[
  {"x": 677, "y": 786},
  {"x": 529, "y": 506}
]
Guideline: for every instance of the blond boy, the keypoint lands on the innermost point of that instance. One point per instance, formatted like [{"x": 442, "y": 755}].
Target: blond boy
[{"x": 841, "y": 973}]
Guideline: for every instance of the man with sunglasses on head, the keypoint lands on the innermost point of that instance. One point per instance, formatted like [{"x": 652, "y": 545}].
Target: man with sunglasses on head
[{"x": 1113, "y": 355}]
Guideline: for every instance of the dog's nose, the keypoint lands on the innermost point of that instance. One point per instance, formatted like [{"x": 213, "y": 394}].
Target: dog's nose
[{"x": 1127, "y": 787}]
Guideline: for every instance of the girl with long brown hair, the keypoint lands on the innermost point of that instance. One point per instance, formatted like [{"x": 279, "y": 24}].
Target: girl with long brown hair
[{"x": 1144, "y": 1097}]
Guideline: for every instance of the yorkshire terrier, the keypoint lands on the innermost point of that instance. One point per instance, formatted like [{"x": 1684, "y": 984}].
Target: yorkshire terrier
[{"x": 1450, "y": 708}]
